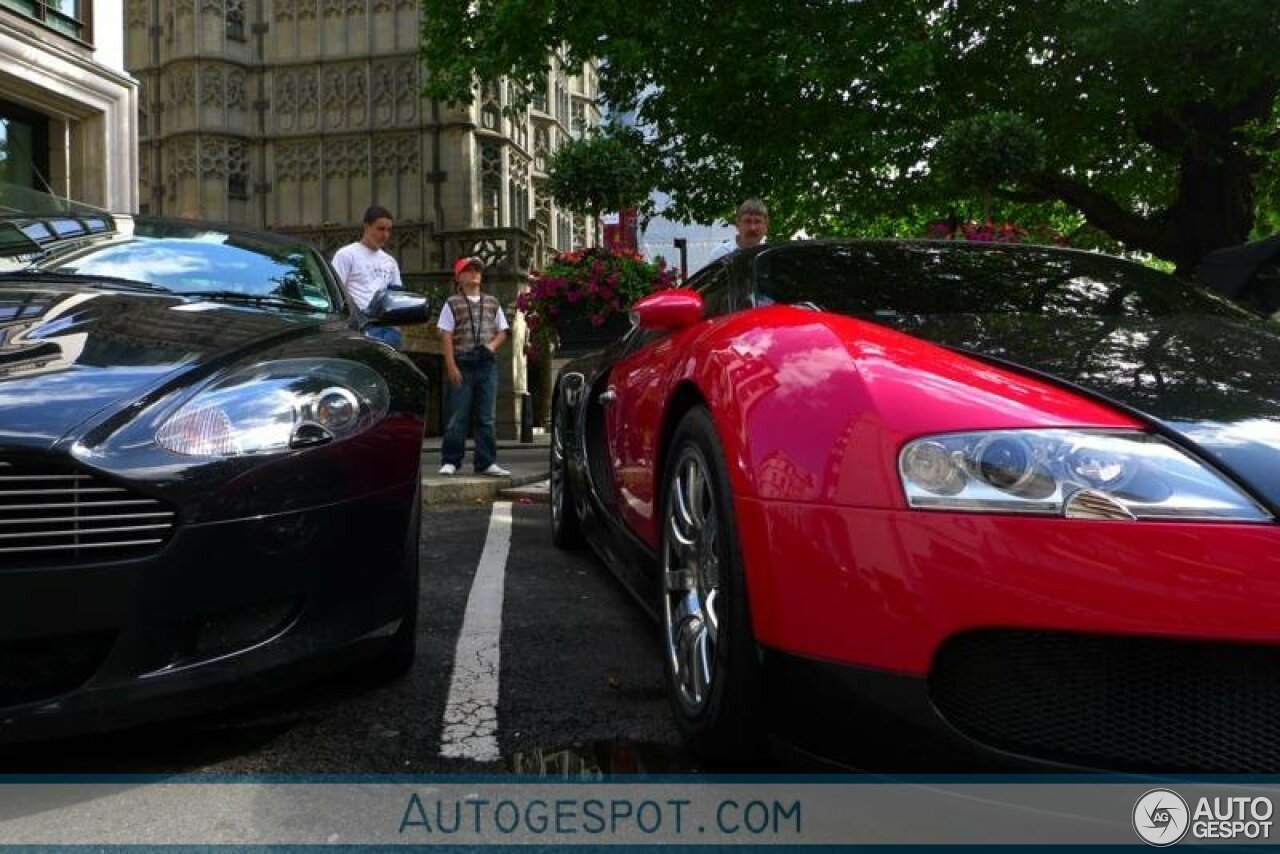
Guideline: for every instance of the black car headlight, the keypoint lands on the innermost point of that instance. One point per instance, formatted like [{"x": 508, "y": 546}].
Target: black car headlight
[
  {"x": 1086, "y": 474},
  {"x": 277, "y": 406}
]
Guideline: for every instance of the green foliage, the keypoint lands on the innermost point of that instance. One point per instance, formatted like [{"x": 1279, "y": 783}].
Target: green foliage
[
  {"x": 1157, "y": 118},
  {"x": 989, "y": 150},
  {"x": 600, "y": 172}
]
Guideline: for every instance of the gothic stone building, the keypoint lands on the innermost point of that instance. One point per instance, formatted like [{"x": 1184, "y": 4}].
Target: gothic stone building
[{"x": 296, "y": 115}]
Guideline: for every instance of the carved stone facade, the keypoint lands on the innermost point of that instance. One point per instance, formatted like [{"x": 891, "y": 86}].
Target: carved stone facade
[{"x": 296, "y": 115}]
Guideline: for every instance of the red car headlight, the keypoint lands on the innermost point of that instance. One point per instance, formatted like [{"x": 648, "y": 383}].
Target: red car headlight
[{"x": 1091, "y": 474}]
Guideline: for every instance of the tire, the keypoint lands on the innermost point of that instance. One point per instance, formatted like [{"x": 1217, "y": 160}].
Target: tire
[
  {"x": 396, "y": 658},
  {"x": 714, "y": 679},
  {"x": 566, "y": 528}
]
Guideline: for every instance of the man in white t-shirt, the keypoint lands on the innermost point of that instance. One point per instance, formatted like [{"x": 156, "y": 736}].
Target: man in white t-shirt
[
  {"x": 365, "y": 268},
  {"x": 753, "y": 224}
]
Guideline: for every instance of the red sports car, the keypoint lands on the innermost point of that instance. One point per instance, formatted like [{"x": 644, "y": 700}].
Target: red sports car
[{"x": 1009, "y": 501}]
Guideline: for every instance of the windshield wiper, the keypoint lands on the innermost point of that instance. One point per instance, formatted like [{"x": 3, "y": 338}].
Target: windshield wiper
[
  {"x": 252, "y": 299},
  {"x": 87, "y": 279}
]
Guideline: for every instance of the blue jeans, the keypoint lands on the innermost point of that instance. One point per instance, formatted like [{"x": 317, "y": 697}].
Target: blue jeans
[{"x": 478, "y": 393}]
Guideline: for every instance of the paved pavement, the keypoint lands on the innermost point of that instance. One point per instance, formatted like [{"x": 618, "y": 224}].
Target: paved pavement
[{"x": 528, "y": 464}]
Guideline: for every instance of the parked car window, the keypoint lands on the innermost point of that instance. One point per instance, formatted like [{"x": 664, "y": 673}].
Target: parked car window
[
  {"x": 213, "y": 261},
  {"x": 715, "y": 293},
  {"x": 898, "y": 279}
]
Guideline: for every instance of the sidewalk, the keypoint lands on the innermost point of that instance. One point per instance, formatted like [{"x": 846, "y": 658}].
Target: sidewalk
[{"x": 528, "y": 464}]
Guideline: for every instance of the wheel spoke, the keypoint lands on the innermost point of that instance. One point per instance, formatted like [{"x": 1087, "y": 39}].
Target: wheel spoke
[
  {"x": 696, "y": 486},
  {"x": 710, "y": 614},
  {"x": 691, "y": 673},
  {"x": 681, "y": 538},
  {"x": 702, "y": 668},
  {"x": 682, "y": 504}
]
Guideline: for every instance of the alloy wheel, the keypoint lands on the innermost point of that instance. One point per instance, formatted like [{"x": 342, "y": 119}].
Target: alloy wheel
[
  {"x": 557, "y": 469},
  {"x": 691, "y": 581}
]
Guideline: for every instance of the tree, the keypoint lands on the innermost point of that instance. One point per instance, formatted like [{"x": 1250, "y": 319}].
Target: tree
[
  {"x": 1158, "y": 118},
  {"x": 600, "y": 172}
]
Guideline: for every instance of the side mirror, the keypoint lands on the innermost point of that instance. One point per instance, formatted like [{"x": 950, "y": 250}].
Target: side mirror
[
  {"x": 397, "y": 308},
  {"x": 669, "y": 309}
]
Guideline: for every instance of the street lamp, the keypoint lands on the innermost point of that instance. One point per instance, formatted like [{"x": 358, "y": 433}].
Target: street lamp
[{"x": 682, "y": 243}]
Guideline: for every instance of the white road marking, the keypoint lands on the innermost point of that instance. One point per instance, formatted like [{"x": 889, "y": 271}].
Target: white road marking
[{"x": 471, "y": 712}]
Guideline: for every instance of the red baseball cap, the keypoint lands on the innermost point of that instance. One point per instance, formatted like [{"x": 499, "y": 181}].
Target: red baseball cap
[{"x": 463, "y": 263}]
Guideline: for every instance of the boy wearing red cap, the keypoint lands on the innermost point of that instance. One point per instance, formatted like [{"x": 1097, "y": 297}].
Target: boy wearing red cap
[{"x": 472, "y": 327}]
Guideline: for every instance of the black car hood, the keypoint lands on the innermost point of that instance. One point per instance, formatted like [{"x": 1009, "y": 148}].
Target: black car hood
[
  {"x": 1214, "y": 381},
  {"x": 66, "y": 354}
]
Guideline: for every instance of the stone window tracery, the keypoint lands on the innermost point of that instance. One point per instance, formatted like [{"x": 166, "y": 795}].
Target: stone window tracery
[
  {"x": 235, "y": 20},
  {"x": 541, "y": 147},
  {"x": 347, "y": 158},
  {"x": 491, "y": 107},
  {"x": 182, "y": 87},
  {"x": 396, "y": 155},
  {"x": 518, "y": 189},
  {"x": 491, "y": 184},
  {"x": 297, "y": 161},
  {"x": 235, "y": 89},
  {"x": 211, "y": 92}
]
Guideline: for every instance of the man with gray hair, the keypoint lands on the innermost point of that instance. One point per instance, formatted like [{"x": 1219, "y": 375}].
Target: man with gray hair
[{"x": 753, "y": 224}]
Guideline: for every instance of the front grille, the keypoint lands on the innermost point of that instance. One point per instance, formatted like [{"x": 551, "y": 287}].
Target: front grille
[
  {"x": 37, "y": 669},
  {"x": 52, "y": 514},
  {"x": 1119, "y": 703}
]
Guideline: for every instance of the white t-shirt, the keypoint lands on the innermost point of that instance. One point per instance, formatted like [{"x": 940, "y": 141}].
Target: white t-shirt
[
  {"x": 722, "y": 249},
  {"x": 446, "y": 321},
  {"x": 364, "y": 272},
  {"x": 730, "y": 245}
]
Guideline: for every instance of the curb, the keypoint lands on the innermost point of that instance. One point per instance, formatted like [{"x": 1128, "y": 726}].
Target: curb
[{"x": 465, "y": 489}]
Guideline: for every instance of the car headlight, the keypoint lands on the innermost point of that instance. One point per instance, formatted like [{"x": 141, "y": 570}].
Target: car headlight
[
  {"x": 1083, "y": 474},
  {"x": 277, "y": 406}
]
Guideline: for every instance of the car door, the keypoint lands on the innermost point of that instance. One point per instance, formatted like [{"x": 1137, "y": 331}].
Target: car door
[{"x": 638, "y": 390}]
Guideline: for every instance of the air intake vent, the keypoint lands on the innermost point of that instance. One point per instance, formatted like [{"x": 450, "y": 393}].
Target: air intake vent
[
  {"x": 51, "y": 514},
  {"x": 1134, "y": 704}
]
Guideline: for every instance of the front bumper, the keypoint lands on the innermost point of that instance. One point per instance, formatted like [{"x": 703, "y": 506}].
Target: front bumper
[
  {"x": 1128, "y": 646},
  {"x": 227, "y": 611}
]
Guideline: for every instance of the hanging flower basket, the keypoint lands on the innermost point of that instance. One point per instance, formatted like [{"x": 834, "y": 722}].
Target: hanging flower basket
[{"x": 579, "y": 302}]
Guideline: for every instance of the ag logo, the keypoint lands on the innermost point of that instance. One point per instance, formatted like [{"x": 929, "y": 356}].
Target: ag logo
[{"x": 1160, "y": 817}]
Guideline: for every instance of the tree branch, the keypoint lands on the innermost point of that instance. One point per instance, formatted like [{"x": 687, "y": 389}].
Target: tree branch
[{"x": 1105, "y": 214}]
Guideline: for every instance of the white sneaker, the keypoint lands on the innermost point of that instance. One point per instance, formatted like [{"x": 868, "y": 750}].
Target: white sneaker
[
  {"x": 448, "y": 468},
  {"x": 496, "y": 470}
]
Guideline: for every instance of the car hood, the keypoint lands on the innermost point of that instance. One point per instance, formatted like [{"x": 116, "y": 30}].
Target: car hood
[
  {"x": 1214, "y": 381},
  {"x": 66, "y": 355}
]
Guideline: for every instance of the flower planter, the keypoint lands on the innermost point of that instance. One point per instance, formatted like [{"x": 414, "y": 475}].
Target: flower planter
[
  {"x": 576, "y": 334},
  {"x": 576, "y": 286}
]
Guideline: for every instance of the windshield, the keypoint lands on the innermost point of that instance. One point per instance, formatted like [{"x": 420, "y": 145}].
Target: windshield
[
  {"x": 886, "y": 280},
  {"x": 208, "y": 262}
]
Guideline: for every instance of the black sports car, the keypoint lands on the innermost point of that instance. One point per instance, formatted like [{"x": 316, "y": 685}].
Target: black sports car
[{"x": 209, "y": 477}]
